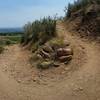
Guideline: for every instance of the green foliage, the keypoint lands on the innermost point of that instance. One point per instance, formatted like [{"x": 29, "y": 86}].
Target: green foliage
[
  {"x": 14, "y": 39},
  {"x": 1, "y": 49},
  {"x": 11, "y": 34},
  {"x": 45, "y": 64},
  {"x": 8, "y": 40},
  {"x": 39, "y": 31},
  {"x": 56, "y": 43}
]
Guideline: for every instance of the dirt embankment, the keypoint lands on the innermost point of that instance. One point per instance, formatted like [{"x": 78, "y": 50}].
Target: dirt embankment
[{"x": 86, "y": 21}]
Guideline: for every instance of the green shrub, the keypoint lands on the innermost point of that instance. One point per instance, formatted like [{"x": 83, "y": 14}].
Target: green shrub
[
  {"x": 39, "y": 31},
  {"x": 8, "y": 42},
  {"x": 56, "y": 43},
  {"x": 34, "y": 47},
  {"x": 45, "y": 64},
  {"x": 14, "y": 39},
  {"x": 4, "y": 42},
  {"x": 1, "y": 49}
]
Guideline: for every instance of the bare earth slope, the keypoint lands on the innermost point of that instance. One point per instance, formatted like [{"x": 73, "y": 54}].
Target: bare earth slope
[{"x": 82, "y": 84}]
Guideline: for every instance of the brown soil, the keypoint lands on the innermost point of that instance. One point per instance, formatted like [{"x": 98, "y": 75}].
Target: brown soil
[
  {"x": 86, "y": 21},
  {"x": 79, "y": 80}
]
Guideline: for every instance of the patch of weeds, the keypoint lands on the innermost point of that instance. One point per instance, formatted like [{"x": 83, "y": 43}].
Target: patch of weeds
[
  {"x": 1, "y": 49},
  {"x": 45, "y": 64},
  {"x": 56, "y": 43}
]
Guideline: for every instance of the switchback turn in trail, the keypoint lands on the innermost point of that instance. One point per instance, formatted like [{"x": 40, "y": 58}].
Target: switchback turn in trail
[{"x": 83, "y": 83}]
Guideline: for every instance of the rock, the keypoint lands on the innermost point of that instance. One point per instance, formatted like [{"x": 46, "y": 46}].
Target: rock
[
  {"x": 39, "y": 57},
  {"x": 44, "y": 54},
  {"x": 56, "y": 64},
  {"x": 35, "y": 79},
  {"x": 65, "y": 58},
  {"x": 45, "y": 64},
  {"x": 78, "y": 88},
  {"x": 66, "y": 62},
  {"x": 64, "y": 52},
  {"x": 66, "y": 69},
  {"x": 19, "y": 80},
  {"x": 63, "y": 72},
  {"x": 47, "y": 49}
]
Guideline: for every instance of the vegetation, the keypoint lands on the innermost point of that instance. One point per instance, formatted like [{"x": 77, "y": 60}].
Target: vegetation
[
  {"x": 77, "y": 5},
  {"x": 41, "y": 37},
  {"x": 14, "y": 39},
  {"x": 39, "y": 31},
  {"x": 11, "y": 34},
  {"x": 45, "y": 64},
  {"x": 1, "y": 49},
  {"x": 8, "y": 40},
  {"x": 57, "y": 43}
]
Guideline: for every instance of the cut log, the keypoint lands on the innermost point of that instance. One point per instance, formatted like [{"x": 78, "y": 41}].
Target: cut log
[
  {"x": 64, "y": 52},
  {"x": 44, "y": 54},
  {"x": 65, "y": 58}
]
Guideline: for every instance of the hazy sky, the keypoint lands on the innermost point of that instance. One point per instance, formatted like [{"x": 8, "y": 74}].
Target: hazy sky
[{"x": 15, "y": 13}]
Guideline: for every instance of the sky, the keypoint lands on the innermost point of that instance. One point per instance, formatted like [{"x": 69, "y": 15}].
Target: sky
[{"x": 16, "y": 13}]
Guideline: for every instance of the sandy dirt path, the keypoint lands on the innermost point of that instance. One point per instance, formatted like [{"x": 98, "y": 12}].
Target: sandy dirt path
[{"x": 82, "y": 84}]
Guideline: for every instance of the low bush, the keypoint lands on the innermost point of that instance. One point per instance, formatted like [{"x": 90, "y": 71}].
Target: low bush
[
  {"x": 1, "y": 49},
  {"x": 14, "y": 39},
  {"x": 39, "y": 31},
  {"x": 45, "y": 64},
  {"x": 56, "y": 43},
  {"x": 9, "y": 40}
]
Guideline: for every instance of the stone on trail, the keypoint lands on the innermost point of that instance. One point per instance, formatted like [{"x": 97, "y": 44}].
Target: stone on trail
[
  {"x": 64, "y": 52},
  {"x": 65, "y": 58},
  {"x": 56, "y": 64}
]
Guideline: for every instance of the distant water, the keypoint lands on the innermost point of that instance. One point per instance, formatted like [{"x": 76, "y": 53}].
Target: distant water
[{"x": 10, "y": 30}]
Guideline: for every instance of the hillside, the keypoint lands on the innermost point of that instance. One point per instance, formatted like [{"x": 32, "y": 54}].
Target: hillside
[
  {"x": 86, "y": 19},
  {"x": 54, "y": 59}
]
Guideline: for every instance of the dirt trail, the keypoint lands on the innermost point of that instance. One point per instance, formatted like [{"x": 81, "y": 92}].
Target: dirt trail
[{"x": 82, "y": 84}]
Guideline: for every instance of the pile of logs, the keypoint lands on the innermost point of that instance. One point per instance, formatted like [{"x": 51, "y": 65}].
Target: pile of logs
[{"x": 60, "y": 54}]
